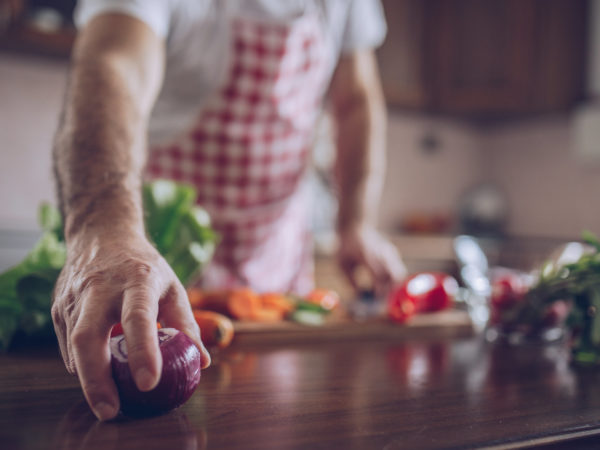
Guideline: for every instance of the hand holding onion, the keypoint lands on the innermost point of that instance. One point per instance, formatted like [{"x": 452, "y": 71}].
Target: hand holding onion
[
  {"x": 179, "y": 378},
  {"x": 110, "y": 278}
]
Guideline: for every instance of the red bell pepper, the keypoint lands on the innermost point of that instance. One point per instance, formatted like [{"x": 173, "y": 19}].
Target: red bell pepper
[{"x": 421, "y": 293}]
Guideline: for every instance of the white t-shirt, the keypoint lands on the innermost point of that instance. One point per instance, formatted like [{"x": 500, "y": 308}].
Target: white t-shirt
[{"x": 197, "y": 42}]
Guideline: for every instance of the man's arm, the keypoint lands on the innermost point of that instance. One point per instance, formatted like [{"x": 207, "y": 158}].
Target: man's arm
[
  {"x": 359, "y": 112},
  {"x": 112, "y": 274},
  {"x": 100, "y": 145}
]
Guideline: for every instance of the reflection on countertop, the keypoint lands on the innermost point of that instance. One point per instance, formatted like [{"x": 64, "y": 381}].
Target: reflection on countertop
[{"x": 378, "y": 393}]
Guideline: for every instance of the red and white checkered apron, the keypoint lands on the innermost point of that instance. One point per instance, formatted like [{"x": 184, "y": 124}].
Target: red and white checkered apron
[{"x": 248, "y": 151}]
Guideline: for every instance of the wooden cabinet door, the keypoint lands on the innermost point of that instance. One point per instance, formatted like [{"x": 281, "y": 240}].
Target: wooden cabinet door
[
  {"x": 484, "y": 53},
  {"x": 484, "y": 57},
  {"x": 403, "y": 57},
  {"x": 560, "y": 54}
]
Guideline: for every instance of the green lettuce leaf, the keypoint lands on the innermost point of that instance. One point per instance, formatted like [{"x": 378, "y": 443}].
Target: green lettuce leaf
[
  {"x": 180, "y": 230},
  {"x": 48, "y": 255}
]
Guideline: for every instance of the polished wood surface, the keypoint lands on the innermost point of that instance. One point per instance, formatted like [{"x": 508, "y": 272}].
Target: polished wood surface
[
  {"x": 375, "y": 394},
  {"x": 450, "y": 323}
]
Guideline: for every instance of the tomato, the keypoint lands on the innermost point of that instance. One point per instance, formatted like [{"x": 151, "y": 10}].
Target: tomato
[
  {"x": 556, "y": 313},
  {"x": 117, "y": 330},
  {"x": 401, "y": 307},
  {"x": 325, "y": 298},
  {"x": 421, "y": 293},
  {"x": 508, "y": 289}
]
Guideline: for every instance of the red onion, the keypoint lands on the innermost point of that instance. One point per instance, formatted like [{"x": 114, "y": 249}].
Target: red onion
[{"x": 179, "y": 378}]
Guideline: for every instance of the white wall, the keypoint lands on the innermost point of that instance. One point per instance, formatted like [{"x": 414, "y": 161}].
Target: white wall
[
  {"x": 551, "y": 193},
  {"x": 430, "y": 183},
  {"x": 31, "y": 92},
  {"x": 32, "y": 89}
]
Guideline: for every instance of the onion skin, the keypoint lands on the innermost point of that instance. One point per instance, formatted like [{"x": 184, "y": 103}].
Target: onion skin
[{"x": 179, "y": 378}]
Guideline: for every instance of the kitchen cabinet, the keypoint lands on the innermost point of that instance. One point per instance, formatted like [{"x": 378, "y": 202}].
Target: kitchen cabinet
[
  {"x": 29, "y": 40},
  {"x": 484, "y": 57},
  {"x": 38, "y": 27}
]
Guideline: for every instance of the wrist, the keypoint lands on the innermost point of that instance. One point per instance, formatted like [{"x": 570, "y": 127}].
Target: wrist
[
  {"x": 104, "y": 214},
  {"x": 355, "y": 212},
  {"x": 352, "y": 228}
]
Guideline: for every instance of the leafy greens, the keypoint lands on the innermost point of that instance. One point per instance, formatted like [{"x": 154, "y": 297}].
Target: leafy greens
[{"x": 180, "y": 230}]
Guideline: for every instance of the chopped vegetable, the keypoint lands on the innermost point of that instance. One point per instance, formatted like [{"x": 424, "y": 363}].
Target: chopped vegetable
[
  {"x": 213, "y": 300},
  {"x": 195, "y": 297},
  {"x": 216, "y": 329},
  {"x": 245, "y": 304},
  {"x": 304, "y": 305},
  {"x": 307, "y": 317},
  {"x": 267, "y": 315},
  {"x": 278, "y": 302},
  {"x": 326, "y": 298}
]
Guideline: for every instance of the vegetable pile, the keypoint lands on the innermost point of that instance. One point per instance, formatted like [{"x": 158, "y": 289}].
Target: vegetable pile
[
  {"x": 574, "y": 286},
  {"x": 179, "y": 229},
  {"x": 244, "y": 304}
]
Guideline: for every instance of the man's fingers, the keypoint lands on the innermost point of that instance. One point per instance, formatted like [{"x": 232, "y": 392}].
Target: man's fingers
[
  {"x": 393, "y": 263},
  {"x": 138, "y": 318},
  {"x": 390, "y": 268},
  {"x": 349, "y": 269},
  {"x": 91, "y": 353},
  {"x": 176, "y": 312},
  {"x": 379, "y": 259},
  {"x": 60, "y": 329}
]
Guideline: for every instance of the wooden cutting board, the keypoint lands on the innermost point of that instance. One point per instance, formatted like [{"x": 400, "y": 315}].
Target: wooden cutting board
[{"x": 443, "y": 324}]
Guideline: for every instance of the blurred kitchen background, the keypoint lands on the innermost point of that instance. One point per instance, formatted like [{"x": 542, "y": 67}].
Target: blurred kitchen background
[{"x": 494, "y": 125}]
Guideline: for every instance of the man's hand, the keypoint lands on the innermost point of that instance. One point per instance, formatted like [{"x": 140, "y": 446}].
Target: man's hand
[
  {"x": 112, "y": 273},
  {"x": 107, "y": 280},
  {"x": 363, "y": 246},
  {"x": 359, "y": 111}
]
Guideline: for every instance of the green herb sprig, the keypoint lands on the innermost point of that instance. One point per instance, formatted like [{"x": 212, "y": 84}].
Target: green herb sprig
[{"x": 579, "y": 284}]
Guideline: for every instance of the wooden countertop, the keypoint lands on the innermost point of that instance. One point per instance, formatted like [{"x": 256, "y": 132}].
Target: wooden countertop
[{"x": 350, "y": 394}]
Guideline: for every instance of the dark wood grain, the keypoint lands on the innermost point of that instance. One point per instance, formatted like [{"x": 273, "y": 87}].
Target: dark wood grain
[
  {"x": 484, "y": 58},
  {"x": 376, "y": 394}
]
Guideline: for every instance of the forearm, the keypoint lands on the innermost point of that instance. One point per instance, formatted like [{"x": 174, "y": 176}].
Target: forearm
[
  {"x": 360, "y": 164},
  {"x": 99, "y": 150}
]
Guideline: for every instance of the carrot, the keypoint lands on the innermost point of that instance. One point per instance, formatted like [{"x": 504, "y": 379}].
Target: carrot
[
  {"x": 279, "y": 302},
  {"x": 216, "y": 329},
  {"x": 215, "y": 300},
  {"x": 325, "y": 298},
  {"x": 195, "y": 296},
  {"x": 243, "y": 304},
  {"x": 268, "y": 315}
]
